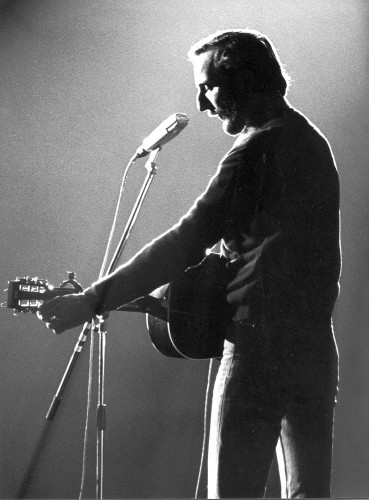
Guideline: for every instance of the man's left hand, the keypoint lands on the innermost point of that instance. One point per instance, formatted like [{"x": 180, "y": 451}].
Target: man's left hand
[{"x": 65, "y": 312}]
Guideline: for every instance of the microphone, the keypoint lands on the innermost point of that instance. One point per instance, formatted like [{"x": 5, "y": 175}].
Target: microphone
[{"x": 164, "y": 133}]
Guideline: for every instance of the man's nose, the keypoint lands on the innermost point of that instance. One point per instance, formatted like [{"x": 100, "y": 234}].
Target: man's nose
[{"x": 203, "y": 102}]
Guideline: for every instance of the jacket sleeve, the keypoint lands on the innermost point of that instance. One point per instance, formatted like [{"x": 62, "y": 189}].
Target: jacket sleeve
[{"x": 183, "y": 246}]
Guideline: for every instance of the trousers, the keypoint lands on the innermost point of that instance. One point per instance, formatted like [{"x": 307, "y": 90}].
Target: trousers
[{"x": 275, "y": 390}]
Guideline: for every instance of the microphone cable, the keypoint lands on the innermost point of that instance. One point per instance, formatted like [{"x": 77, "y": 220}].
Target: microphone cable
[
  {"x": 92, "y": 339},
  {"x": 88, "y": 408},
  {"x": 205, "y": 428},
  {"x": 114, "y": 223}
]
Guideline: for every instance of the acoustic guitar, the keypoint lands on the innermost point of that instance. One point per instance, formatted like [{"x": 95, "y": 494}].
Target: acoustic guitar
[{"x": 186, "y": 318}]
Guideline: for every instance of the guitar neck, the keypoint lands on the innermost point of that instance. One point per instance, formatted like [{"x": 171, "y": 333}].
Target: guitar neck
[{"x": 27, "y": 295}]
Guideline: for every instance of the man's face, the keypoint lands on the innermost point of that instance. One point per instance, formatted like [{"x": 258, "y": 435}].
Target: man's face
[{"x": 219, "y": 95}]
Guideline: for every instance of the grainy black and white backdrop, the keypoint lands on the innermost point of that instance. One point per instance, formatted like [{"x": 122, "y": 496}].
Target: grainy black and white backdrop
[{"x": 82, "y": 82}]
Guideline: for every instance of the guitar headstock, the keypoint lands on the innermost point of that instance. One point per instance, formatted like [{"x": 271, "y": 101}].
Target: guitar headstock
[{"x": 28, "y": 294}]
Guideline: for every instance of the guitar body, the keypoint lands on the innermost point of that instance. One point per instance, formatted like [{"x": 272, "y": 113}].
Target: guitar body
[{"x": 197, "y": 313}]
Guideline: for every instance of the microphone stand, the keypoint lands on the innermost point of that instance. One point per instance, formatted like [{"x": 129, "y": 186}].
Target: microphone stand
[
  {"x": 101, "y": 407},
  {"x": 99, "y": 325}
]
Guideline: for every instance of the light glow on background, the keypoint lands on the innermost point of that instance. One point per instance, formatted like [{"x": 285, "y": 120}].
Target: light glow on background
[{"x": 81, "y": 84}]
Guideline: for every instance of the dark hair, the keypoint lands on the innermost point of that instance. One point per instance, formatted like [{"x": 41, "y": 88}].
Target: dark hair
[{"x": 244, "y": 49}]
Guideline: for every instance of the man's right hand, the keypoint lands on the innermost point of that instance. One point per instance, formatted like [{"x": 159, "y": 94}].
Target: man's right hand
[{"x": 65, "y": 312}]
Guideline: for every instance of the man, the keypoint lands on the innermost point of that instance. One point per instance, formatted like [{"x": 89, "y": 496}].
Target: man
[{"x": 274, "y": 203}]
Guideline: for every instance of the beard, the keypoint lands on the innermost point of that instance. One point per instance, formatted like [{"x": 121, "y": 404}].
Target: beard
[{"x": 231, "y": 116}]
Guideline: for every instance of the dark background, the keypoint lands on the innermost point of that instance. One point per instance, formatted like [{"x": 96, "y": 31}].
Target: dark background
[{"x": 81, "y": 84}]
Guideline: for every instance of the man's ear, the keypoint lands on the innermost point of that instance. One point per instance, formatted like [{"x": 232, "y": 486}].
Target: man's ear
[{"x": 246, "y": 81}]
